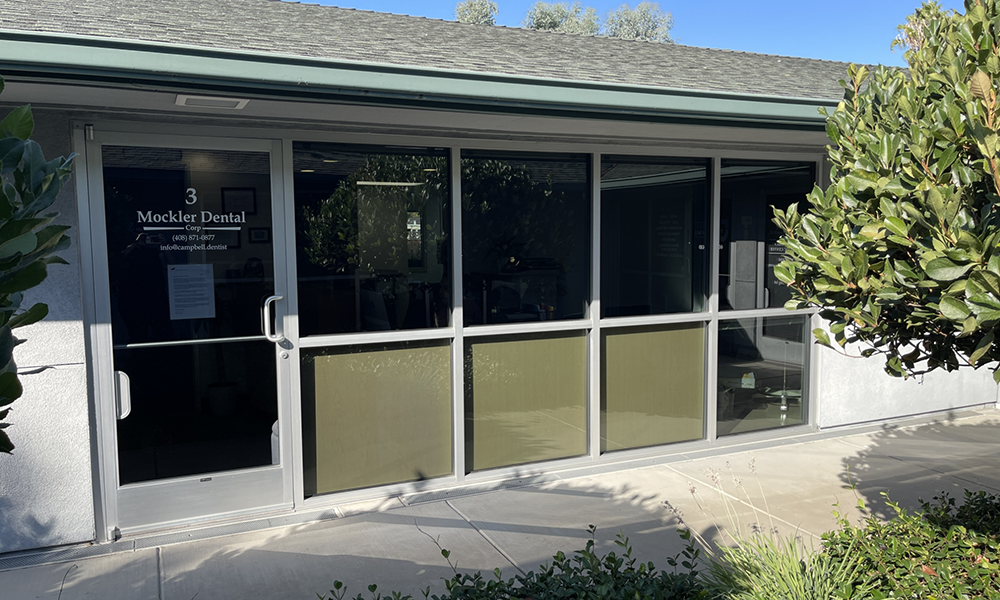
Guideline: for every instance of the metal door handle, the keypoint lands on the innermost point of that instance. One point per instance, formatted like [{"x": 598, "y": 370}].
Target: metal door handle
[
  {"x": 123, "y": 394},
  {"x": 268, "y": 333}
]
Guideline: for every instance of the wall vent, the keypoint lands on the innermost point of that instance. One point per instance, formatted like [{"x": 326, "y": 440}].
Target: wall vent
[{"x": 210, "y": 102}]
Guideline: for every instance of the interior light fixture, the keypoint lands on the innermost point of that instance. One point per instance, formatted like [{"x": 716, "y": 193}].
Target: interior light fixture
[
  {"x": 390, "y": 183},
  {"x": 210, "y": 102},
  {"x": 430, "y": 170},
  {"x": 307, "y": 171},
  {"x": 330, "y": 160}
]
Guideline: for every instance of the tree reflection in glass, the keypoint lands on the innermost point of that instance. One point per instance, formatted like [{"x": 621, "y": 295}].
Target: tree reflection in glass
[
  {"x": 525, "y": 237},
  {"x": 373, "y": 234}
]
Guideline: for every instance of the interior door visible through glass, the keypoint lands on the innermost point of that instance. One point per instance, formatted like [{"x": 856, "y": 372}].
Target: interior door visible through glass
[
  {"x": 191, "y": 262},
  {"x": 749, "y": 248}
]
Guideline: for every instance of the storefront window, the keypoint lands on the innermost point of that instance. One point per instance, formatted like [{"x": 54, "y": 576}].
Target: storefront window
[
  {"x": 748, "y": 237},
  {"x": 654, "y": 255},
  {"x": 525, "y": 399},
  {"x": 375, "y": 415},
  {"x": 526, "y": 237},
  {"x": 652, "y": 385},
  {"x": 761, "y": 383},
  {"x": 373, "y": 234}
]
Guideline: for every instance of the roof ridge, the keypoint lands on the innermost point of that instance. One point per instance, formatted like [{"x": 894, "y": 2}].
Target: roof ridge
[
  {"x": 528, "y": 30},
  {"x": 308, "y": 29}
]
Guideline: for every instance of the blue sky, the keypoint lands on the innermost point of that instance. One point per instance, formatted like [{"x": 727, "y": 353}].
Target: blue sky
[{"x": 845, "y": 30}]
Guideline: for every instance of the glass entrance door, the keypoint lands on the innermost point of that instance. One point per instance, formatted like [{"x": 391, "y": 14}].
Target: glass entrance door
[{"x": 194, "y": 299}]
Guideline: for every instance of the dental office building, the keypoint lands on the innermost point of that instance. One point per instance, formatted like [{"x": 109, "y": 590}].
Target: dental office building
[{"x": 324, "y": 255}]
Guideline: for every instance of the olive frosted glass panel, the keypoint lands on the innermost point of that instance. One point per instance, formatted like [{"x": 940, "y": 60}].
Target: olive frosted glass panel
[
  {"x": 373, "y": 238},
  {"x": 197, "y": 408},
  {"x": 653, "y": 235},
  {"x": 375, "y": 415},
  {"x": 525, "y": 400},
  {"x": 652, "y": 386},
  {"x": 190, "y": 254},
  {"x": 762, "y": 367},
  {"x": 526, "y": 237},
  {"x": 748, "y": 238}
]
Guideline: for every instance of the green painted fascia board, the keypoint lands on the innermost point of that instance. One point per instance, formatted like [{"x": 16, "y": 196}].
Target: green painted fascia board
[{"x": 83, "y": 58}]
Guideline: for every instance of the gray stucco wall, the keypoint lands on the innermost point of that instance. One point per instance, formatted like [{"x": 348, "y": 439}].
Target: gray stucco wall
[
  {"x": 45, "y": 486},
  {"x": 857, "y": 390}
]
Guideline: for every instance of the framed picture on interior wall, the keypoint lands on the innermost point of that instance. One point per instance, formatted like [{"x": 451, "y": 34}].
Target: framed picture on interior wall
[
  {"x": 236, "y": 200},
  {"x": 259, "y": 235}
]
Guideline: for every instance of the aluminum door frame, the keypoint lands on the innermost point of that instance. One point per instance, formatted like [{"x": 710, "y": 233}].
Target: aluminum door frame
[{"x": 174, "y": 502}]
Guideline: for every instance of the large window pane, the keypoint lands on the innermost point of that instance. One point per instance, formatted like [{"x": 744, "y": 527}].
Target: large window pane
[
  {"x": 761, "y": 373},
  {"x": 375, "y": 415},
  {"x": 749, "y": 239},
  {"x": 525, "y": 237},
  {"x": 652, "y": 386},
  {"x": 653, "y": 235},
  {"x": 373, "y": 228},
  {"x": 525, "y": 399}
]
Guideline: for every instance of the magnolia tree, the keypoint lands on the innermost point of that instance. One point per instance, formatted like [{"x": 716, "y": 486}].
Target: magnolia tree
[
  {"x": 902, "y": 251},
  {"x": 28, "y": 240}
]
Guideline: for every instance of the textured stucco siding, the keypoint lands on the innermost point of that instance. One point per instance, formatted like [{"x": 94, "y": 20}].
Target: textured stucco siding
[
  {"x": 858, "y": 390},
  {"x": 46, "y": 494}
]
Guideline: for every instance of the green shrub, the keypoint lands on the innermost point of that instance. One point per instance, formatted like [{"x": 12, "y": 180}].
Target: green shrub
[
  {"x": 942, "y": 551},
  {"x": 584, "y": 576},
  {"x": 29, "y": 185}
]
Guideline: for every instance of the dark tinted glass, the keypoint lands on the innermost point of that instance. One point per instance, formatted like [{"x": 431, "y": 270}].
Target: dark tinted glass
[
  {"x": 525, "y": 237},
  {"x": 182, "y": 257},
  {"x": 190, "y": 258},
  {"x": 372, "y": 237},
  {"x": 749, "y": 239},
  {"x": 762, "y": 363},
  {"x": 653, "y": 235},
  {"x": 197, "y": 408}
]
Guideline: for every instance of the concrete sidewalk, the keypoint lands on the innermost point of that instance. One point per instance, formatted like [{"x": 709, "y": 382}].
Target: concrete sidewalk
[{"x": 394, "y": 543}]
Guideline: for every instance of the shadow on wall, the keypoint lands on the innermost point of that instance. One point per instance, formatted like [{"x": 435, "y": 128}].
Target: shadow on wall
[
  {"x": 20, "y": 530},
  {"x": 914, "y": 464}
]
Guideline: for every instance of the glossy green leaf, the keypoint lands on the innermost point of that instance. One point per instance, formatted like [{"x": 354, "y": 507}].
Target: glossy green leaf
[
  {"x": 954, "y": 309},
  {"x": 33, "y": 315},
  {"x": 821, "y": 337},
  {"x": 943, "y": 269},
  {"x": 19, "y": 123}
]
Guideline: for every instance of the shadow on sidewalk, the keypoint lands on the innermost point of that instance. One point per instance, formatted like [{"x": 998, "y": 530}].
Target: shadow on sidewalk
[{"x": 910, "y": 464}]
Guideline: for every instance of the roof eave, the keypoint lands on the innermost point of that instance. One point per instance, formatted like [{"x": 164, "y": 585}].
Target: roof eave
[{"x": 106, "y": 61}]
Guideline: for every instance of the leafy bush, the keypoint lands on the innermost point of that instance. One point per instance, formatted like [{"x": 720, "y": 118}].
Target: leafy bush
[
  {"x": 584, "y": 576},
  {"x": 901, "y": 250},
  {"x": 28, "y": 240},
  {"x": 939, "y": 552}
]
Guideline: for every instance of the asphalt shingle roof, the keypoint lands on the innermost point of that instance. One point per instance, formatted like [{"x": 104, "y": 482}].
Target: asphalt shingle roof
[{"x": 308, "y": 30}]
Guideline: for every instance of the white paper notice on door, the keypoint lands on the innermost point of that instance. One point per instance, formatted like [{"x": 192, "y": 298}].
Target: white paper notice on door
[{"x": 192, "y": 292}]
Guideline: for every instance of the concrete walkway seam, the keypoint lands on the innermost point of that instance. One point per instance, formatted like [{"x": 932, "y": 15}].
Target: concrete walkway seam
[{"x": 485, "y": 537}]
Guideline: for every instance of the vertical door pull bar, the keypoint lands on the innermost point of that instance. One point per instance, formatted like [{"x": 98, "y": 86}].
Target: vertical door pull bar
[
  {"x": 123, "y": 394},
  {"x": 268, "y": 331}
]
